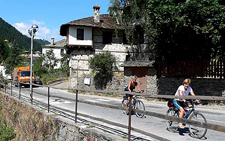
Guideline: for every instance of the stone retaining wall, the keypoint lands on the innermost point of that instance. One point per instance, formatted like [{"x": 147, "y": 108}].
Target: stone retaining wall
[
  {"x": 201, "y": 86},
  {"x": 163, "y": 85}
]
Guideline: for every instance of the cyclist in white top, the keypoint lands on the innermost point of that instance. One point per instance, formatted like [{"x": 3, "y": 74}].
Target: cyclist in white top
[{"x": 181, "y": 104}]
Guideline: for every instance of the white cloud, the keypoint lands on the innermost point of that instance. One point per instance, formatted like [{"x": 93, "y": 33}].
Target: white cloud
[
  {"x": 36, "y": 22},
  {"x": 42, "y": 33}
]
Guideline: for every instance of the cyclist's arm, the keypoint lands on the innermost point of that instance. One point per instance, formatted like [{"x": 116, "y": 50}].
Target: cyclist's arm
[
  {"x": 129, "y": 86},
  {"x": 181, "y": 94},
  {"x": 193, "y": 94},
  {"x": 139, "y": 88}
]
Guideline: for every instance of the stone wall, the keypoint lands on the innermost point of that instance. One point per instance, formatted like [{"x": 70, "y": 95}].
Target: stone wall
[
  {"x": 163, "y": 85},
  {"x": 201, "y": 86}
]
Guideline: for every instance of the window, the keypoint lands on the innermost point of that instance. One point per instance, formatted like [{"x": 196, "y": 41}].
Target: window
[
  {"x": 107, "y": 37},
  {"x": 80, "y": 34},
  {"x": 25, "y": 73},
  {"x": 139, "y": 36},
  {"x": 124, "y": 38},
  {"x": 62, "y": 51}
]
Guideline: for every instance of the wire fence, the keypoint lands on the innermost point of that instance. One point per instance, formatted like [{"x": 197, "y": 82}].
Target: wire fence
[{"x": 7, "y": 89}]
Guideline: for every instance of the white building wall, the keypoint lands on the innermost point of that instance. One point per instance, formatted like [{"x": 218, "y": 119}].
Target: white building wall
[
  {"x": 73, "y": 36},
  {"x": 118, "y": 50},
  {"x": 57, "y": 53},
  {"x": 2, "y": 71}
]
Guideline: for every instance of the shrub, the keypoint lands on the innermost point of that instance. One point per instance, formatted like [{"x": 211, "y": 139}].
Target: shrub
[{"x": 103, "y": 64}]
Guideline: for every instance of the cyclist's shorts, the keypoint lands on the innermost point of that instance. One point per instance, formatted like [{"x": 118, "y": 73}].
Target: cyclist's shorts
[
  {"x": 129, "y": 95},
  {"x": 179, "y": 104}
]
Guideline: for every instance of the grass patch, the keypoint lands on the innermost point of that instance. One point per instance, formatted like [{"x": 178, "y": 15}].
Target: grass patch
[
  {"x": 6, "y": 130},
  {"x": 48, "y": 79},
  {"x": 91, "y": 126},
  {"x": 124, "y": 137}
]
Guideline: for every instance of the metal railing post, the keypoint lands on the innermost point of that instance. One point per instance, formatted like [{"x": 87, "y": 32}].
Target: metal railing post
[
  {"x": 19, "y": 91},
  {"x": 129, "y": 122},
  {"x": 31, "y": 94},
  {"x": 48, "y": 98},
  {"x": 5, "y": 88},
  {"x": 76, "y": 106},
  {"x": 11, "y": 88}
]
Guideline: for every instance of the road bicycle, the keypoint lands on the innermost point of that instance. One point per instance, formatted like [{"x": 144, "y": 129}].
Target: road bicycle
[
  {"x": 195, "y": 131},
  {"x": 135, "y": 104}
]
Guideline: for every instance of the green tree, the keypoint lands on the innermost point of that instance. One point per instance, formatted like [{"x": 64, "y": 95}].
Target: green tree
[
  {"x": 50, "y": 61},
  {"x": 14, "y": 60},
  {"x": 4, "y": 50},
  {"x": 38, "y": 69},
  {"x": 65, "y": 63},
  {"x": 176, "y": 29},
  {"x": 15, "y": 37},
  {"x": 103, "y": 65}
]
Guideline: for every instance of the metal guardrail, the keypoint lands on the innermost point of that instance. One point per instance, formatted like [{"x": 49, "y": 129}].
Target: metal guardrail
[{"x": 149, "y": 113}]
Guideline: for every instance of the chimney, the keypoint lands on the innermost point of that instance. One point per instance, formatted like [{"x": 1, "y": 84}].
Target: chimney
[
  {"x": 96, "y": 13},
  {"x": 52, "y": 41}
]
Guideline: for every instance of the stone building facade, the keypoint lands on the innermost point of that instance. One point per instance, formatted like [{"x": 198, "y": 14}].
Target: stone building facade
[
  {"x": 93, "y": 35},
  {"x": 97, "y": 34}
]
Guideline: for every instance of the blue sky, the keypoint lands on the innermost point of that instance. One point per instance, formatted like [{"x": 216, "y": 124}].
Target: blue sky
[{"x": 49, "y": 15}]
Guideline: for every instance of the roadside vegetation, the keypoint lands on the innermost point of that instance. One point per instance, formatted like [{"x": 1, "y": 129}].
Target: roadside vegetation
[
  {"x": 6, "y": 130},
  {"x": 44, "y": 67},
  {"x": 20, "y": 122},
  {"x": 103, "y": 64}
]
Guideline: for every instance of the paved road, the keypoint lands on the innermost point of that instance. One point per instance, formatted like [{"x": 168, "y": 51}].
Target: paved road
[{"x": 155, "y": 126}]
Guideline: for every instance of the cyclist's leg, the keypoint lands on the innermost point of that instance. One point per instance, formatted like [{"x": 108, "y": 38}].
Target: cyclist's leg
[
  {"x": 179, "y": 106},
  {"x": 181, "y": 113},
  {"x": 128, "y": 99},
  {"x": 134, "y": 100}
]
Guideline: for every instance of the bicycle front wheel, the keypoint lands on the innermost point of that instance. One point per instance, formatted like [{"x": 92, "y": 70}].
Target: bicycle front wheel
[
  {"x": 139, "y": 106},
  {"x": 172, "y": 125},
  {"x": 124, "y": 102},
  {"x": 195, "y": 131}
]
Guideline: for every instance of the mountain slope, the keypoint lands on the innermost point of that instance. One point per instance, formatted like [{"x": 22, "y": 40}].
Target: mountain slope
[{"x": 15, "y": 37}]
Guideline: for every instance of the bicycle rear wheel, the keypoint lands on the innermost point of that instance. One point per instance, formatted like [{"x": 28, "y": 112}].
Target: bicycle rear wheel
[
  {"x": 140, "y": 106},
  {"x": 195, "y": 131},
  {"x": 124, "y": 102},
  {"x": 172, "y": 125}
]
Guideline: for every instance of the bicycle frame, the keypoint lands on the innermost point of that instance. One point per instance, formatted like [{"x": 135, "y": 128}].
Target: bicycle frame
[{"x": 195, "y": 131}]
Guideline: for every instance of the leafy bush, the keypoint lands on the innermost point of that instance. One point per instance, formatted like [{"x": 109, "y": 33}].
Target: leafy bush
[
  {"x": 29, "y": 124},
  {"x": 103, "y": 64},
  {"x": 6, "y": 131}
]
